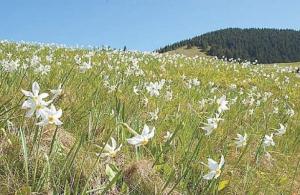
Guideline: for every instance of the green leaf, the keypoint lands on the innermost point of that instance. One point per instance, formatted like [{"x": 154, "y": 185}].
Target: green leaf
[
  {"x": 67, "y": 190},
  {"x": 110, "y": 173}
]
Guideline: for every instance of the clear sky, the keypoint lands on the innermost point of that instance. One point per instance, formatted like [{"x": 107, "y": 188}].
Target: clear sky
[{"x": 139, "y": 24}]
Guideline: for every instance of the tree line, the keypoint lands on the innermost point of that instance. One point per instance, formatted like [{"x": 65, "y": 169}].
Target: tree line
[{"x": 262, "y": 44}]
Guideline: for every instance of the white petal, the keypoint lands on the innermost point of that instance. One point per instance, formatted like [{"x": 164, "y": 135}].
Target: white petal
[
  {"x": 27, "y": 104},
  {"x": 102, "y": 155},
  {"x": 35, "y": 88},
  {"x": 30, "y": 112},
  {"x": 146, "y": 130},
  {"x": 113, "y": 143},
  {"x": 58, "y": 122},
  {"x": 222, "y": 161},
  {"x": 42, "y": 123},
  {"x": 41, "y": 112},
  {"x": 58, "y": 113},
  {"x": 239, "y": 136},
  {"x": 135, "y": 140},
  {"x": 119, "y": 148},
  {"x": 151, "y": 134},
  {"x": 52, "y": 108},
  {"x": 213, "y": 165},
  {"x": 108, "y": 148},
  {"x": 43, "y": 95},
  {"x": 27, "y": 93},
  {"x": 209, "y": 176}
]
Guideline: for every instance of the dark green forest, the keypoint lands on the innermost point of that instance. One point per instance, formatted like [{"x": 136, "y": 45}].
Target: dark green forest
[{"x": 264, "y": 45}]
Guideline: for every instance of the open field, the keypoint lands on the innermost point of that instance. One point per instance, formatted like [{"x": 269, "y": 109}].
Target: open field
[
  {"x": 190, "y": 52},
  {"x": 145, "y": 123}
]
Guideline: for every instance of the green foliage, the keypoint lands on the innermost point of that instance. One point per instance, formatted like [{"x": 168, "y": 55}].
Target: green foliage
[{"x": 264, "y": 45}]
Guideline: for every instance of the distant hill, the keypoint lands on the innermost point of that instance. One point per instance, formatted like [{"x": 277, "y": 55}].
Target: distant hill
[{"x": 264, "y": 45}]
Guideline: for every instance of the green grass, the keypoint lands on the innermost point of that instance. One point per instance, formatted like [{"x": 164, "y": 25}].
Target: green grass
[
  {"x": 64, "y": 160},
  {"x": 190, "y": 52}
]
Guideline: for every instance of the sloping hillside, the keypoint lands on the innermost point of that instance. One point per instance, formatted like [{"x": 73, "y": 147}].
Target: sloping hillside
[
  {"x": 264, "y": 45},
  {"x": 76, "y": 121},
  {"x": 188, "y": 51}
]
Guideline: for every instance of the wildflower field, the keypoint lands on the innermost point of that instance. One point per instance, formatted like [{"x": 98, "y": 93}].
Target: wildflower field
[{"x": 103, "y": 121}]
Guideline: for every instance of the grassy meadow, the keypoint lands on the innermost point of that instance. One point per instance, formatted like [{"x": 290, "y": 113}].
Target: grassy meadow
[{"x": 145, "y": 123}]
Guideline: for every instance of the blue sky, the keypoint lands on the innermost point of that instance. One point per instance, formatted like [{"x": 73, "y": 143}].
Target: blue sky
[{"x": 139, "y": 24}]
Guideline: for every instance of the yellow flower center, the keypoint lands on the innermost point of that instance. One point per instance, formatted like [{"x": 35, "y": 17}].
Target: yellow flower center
[
  {"x": 113, "y": 154},
  {"x": 51, "y": 119},
  {"x": 38, "y": 107},
  {"x": 218, "y": 173},
  {"x": 145, "y": 141}
]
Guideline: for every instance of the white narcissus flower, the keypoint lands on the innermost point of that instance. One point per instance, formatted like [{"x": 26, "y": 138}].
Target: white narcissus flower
[
  {"x": 111, "y": 150},
  {"x": 241, "y": 140},
  {"x": 281, "y": 130},
  {"x": 209, "y": 127},
  {"x": 234, "y": 100},
  {"x": 43, "y": 69},
  {"x": 215, "y": 168},
  {"x": 290, "y": 112},
  {"x": 154, "y": 88},
  {"x": 196, "y": 82},
  {"x": 169, "y": 96},
  {"x": 222, "y": 104},
  {"x": 202, "y": 103},
  {"x": 136, "y": 90},
  {"x": 56, "y": 92},
  {"x": 167, "y": 136},
  {"x": 145, "y": 101},
  {"x": 85, "y": 66},
  {"x": 51, "y": 116},
  {"x": 251, "y": 111},
  {"x": 35, "y": 102},
  {"x": 212, "y": 123},
  {"x": 276, "y": 110},
  {"x": 216, "y": 118},
  {"x": 154, "y": 115},
  {"x": 268, "y": 141},
  {"x": 142, "y": 139}
]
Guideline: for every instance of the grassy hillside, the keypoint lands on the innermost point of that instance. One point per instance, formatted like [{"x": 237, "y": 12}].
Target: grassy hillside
[
  {"x": 144, "y": 123},
  {"x": 189, "y": 52}
]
